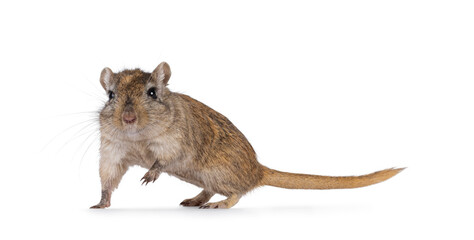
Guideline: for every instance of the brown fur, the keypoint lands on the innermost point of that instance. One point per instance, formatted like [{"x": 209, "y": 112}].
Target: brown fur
[{"x": 181, "y": 136}]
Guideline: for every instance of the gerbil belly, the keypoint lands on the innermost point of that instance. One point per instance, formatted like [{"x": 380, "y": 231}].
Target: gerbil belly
[{"x": 187, "y": 176}]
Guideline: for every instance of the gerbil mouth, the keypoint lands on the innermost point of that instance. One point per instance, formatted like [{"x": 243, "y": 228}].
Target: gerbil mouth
[
  {"x": 131, "y": 129},
  {"x": 130, "y": 126},
  {"x": 130, "y": 121}
]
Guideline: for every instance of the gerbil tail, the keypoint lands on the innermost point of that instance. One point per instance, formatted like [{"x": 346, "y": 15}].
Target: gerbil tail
[{"x": 305, "y": 181}]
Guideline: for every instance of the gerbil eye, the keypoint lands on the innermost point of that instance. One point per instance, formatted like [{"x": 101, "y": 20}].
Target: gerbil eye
[
  {"x": 111, "y": 95},
  {"x": 152, "y": 93}
]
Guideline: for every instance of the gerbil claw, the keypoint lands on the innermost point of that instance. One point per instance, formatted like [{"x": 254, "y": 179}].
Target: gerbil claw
[{"x": 150, "y": 176}]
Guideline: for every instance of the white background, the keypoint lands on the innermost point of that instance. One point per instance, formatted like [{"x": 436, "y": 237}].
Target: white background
[{"x": 332, "y": 88}]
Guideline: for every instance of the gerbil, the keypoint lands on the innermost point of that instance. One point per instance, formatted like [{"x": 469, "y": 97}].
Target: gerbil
[{"x": 144, "y": 123}]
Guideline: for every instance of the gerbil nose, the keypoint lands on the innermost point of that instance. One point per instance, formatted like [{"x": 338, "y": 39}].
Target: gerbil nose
[{"x": 129, "y": 117}]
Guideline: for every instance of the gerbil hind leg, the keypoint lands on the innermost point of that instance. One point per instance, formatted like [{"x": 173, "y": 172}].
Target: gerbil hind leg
[
  {"x": 110, "y": 176},
  {"x": 226, "y": 203},
  {"x": 198, "y": 200}
]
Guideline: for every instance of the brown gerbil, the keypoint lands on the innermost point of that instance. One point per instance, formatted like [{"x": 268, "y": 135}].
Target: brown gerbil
[{"x": 146, "y": 124}]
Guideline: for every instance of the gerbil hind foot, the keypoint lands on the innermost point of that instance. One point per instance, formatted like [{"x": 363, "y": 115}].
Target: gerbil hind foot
[
  {"x": 199, "y": 200},
  {"x": 226, "y": 203}
]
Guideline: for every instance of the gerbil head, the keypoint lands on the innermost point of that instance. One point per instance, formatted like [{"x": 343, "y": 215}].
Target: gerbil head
[{"x": 138, "y": 107}]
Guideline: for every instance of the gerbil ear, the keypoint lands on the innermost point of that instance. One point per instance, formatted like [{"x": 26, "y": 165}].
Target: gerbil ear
[
  {"x": 162, "y": 74},
  {"x": 106, "y": 78}
]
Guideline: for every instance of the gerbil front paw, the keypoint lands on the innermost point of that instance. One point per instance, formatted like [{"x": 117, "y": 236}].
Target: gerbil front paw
[{"x": 150, "y": 176}]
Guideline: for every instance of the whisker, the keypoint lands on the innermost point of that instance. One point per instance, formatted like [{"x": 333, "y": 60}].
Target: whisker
[
  {"x": 90, "y": 134},
  {"x": 97, "y": 89},
  {"x": 94, "y": 95},
  {"x": 87, "y": 150},
  {"x": 64, "y": 131},
  {"x": 77, "y": 135},
  {"x": 79, "y": 113}
]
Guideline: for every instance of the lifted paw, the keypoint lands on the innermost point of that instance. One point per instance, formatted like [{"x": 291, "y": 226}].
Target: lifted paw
[{"x": 150, "y": 176}]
